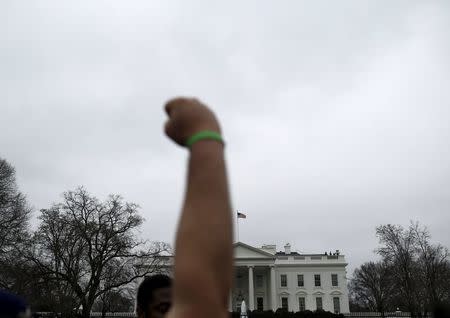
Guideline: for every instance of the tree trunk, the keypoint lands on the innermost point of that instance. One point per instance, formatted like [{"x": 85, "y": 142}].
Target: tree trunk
[
  {"x": 104, "y": 309},
  {"x": 86, "y": 312},
  {"x": 380, "y": 309}
]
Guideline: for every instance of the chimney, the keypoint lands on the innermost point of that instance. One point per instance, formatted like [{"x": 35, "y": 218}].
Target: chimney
[{"x": 287, "y": 249}]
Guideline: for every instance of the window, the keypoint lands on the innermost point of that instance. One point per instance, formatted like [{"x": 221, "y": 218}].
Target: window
[
  {"x": 259, "y": 303},
  {"x": 334, "y": 280},
  {"x": 317, "y": 280},
  {"x": 301, "y": 304},
  {"x": 284, "y": 303},
  {"x": 319, "y": 303},
  {"x": 283, "y": 280},
  {"x": 336, "y": 305},
  {"x": 300, "y": 281},
  {"x": 259, "y": 281}
]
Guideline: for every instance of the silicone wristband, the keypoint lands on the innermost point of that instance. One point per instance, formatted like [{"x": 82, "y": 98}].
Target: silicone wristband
[{"x": 205, "y": 134}]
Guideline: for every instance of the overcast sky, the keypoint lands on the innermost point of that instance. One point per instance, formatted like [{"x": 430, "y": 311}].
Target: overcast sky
[{"x": 336, "y": 113}]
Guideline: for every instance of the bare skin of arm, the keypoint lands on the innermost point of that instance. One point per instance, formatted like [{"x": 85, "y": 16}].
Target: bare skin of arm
[{"x": 203, "y": 249}]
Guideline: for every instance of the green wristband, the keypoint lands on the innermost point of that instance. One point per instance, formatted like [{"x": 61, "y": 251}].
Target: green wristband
[{"x": 205, "y": 134}]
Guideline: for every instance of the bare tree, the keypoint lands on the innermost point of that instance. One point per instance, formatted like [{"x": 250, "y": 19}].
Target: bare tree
[
  {"x": 372, "y": 286},
  {"x": 14, "y": 216},
  {"x": 421, "y": 270},
  {"x": 16, "y": 272},
  {"x": 399, "y": 250},
  {"x": 434, "y": 264},
  {"x": 92, "y": 247},
  {"x": 14, "y": 212}
]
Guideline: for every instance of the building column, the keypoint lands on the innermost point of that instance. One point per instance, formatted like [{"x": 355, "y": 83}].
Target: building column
[
  {"x": 251, "y": 292},
  {"x": 273, "y": 288}
]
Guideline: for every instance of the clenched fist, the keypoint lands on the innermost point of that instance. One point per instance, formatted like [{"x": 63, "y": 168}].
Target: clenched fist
[{"x": 188, "y": 116}]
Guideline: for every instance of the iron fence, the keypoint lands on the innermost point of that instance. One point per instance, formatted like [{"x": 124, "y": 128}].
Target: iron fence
[{"x": 395, "y": 314}]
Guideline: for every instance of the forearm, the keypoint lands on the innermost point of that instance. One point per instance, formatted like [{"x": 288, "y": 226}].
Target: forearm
[{"x": 204, "y": 238}]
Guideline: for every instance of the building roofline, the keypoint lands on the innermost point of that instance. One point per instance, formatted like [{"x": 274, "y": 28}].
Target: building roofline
[
  {"x": 267, "y": 254},
  {"x": 254, "y": 249},
  {"x": 300, "y": 254},
  {"x": 312, "y": 265}
]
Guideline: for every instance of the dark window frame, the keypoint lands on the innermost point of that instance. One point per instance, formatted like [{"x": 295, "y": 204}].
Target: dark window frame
[
  {"x": 334, "y": 281},
  {"x": 317, "y": 282},
  {"x": 338, "y": 310},
  {"x": 287, "y": 303},
  {"x": 317, "y": 303},
  {"x": 302, "y": 280},
  {"x": 300, "y": 304},
  {"x": 262, "y": 303},
  {"x": 283, "y": 278}
]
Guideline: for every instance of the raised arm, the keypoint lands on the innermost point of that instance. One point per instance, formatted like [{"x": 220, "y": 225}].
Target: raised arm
[{"x": 203, "y": 249}]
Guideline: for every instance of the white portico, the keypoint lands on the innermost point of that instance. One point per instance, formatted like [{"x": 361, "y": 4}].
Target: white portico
[
  {"x": 267, "y": 279},
  {"x": 254, "y": 275}
]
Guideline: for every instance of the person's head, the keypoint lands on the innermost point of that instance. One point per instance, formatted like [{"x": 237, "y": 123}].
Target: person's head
[
  {"x": 13, "y": 306},
  {"x": 154, "y": 296},
  {"x": 441, "y": 310}
]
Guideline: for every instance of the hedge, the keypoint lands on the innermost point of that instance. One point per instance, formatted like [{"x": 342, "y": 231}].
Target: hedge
[{"x": 280, "y": 313}]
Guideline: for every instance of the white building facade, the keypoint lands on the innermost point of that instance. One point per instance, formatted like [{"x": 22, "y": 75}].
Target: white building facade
[{"x": 268, "y": 280}]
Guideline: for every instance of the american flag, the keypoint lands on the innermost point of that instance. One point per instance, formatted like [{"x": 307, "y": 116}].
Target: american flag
[{"x": 241, "y": 215}]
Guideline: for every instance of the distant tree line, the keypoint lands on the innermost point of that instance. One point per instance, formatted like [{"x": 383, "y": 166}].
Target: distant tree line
[
  {"x": 413, "y": 274},
  {"x": 84, "y": 254}
]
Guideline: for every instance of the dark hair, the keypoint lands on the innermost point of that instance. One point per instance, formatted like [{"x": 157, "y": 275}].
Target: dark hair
[
  {"x": 146, "y": 288},
  {"x": 11, "y": 305},
  {"x": 441, "y": 310}
]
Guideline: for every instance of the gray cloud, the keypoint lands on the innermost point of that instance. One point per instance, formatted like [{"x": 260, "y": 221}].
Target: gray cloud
[{"x": 336, "y": 114}]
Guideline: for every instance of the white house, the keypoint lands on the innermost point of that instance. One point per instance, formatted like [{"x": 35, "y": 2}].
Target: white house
[{"x": 267, "y": 279}]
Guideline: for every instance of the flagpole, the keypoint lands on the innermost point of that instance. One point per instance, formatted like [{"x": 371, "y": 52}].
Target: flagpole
[{"x": 237, "y": 221}]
